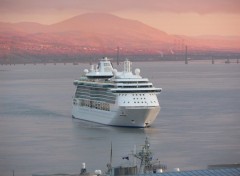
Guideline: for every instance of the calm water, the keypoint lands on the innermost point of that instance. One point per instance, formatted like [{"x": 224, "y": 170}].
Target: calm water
[{"x": 199, "y": 123}]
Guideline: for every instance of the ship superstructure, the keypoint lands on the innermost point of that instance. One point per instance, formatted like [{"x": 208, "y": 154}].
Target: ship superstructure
[
  {"x": 143, "y": 163},
  {"x": 107, "y": 96}
]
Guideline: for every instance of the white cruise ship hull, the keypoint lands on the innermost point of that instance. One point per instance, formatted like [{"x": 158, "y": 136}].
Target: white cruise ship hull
[
  {"x": 128, "y": 116},
  {"x": 107, "y": 96}
]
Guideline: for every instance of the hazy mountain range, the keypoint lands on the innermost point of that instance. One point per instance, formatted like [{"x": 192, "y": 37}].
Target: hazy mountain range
[{"x": 97, "y": 33}]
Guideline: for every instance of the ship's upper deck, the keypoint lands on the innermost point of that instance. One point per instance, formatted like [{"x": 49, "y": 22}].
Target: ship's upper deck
[
  {"x": 126, "y": 81},
  {"x": 102, "y": 70}
]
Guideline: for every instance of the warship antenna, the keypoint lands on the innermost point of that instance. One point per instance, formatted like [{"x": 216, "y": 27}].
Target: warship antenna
[{"x": 111, "y": 155}]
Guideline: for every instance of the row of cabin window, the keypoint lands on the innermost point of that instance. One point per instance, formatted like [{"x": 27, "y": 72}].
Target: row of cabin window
[
  {"x": 95, "y": 93},
  {"x": 91, "y": 86},
  {"x": 131, "y": 82},
  {"x": 90, "y": 95},
  {"x": 91, "y": 91},
  {"x": 140, "y": 102},
  {"x": 135, "y": 94},
  {"x": 100, "y": 98},
  {"x": 145, "y": 86},
  {"x": 95, "y": 105}
]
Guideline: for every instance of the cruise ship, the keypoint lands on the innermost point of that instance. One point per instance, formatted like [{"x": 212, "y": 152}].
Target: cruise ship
[{"x": 117, "y": 98}]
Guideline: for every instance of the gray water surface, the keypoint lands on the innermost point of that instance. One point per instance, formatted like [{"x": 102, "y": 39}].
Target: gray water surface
[{"x": 199, "y": 122}]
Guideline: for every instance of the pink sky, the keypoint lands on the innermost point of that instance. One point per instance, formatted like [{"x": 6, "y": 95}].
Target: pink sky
[{"x": 184, "y": 17}]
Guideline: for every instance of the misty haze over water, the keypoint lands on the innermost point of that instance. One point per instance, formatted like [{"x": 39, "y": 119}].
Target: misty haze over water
[{"x": 199, "y": 122}]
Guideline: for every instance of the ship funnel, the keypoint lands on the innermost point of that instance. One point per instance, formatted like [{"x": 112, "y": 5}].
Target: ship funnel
[
  {"x": 127, "y": 66},
  {"x": 92, "y": 68}
]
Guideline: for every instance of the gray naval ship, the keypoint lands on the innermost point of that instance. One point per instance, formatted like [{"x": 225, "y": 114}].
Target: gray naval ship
[
  {"x": 144, "y": 165},
  {"x": 141, "y": 163}
]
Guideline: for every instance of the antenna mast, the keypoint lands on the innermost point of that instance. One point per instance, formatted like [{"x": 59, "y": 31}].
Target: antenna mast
[{"x": 117, "y": 55}]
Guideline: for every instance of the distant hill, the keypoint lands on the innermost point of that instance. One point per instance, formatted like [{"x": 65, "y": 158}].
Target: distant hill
[{"x": 98, "y": 33}]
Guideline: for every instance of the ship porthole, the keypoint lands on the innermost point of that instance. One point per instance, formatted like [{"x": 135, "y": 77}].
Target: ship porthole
[{"x": 133, "y": 121}]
